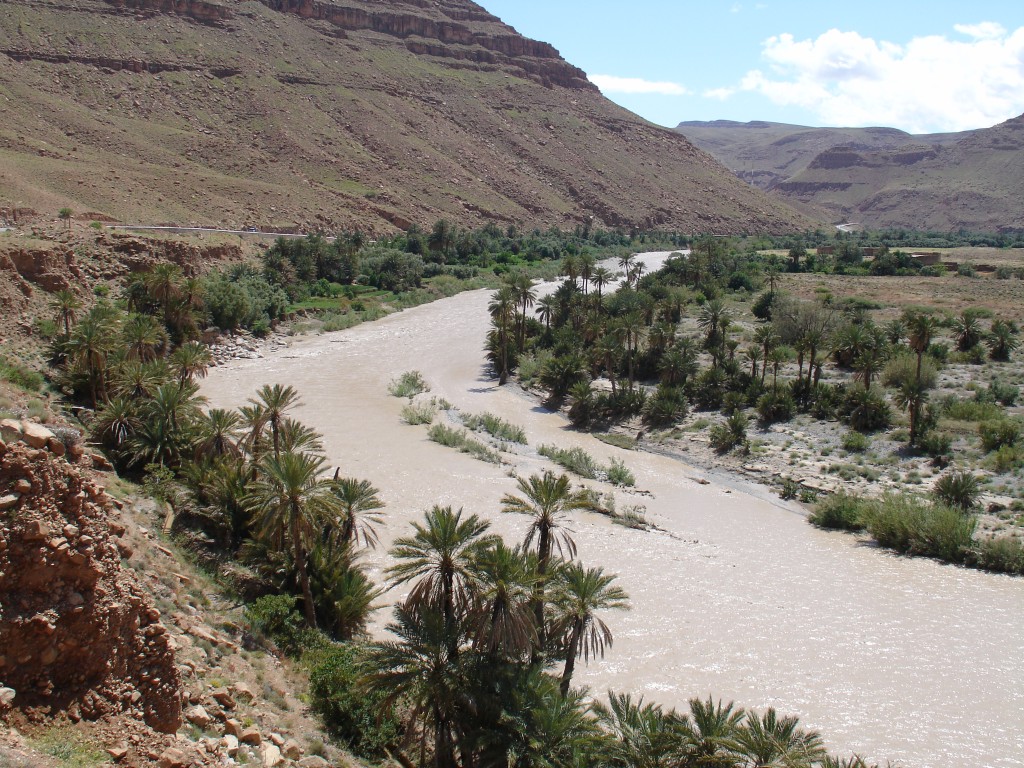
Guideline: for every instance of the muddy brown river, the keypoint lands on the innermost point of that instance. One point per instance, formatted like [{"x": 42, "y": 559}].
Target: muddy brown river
[{"x": 897, "y": 659}]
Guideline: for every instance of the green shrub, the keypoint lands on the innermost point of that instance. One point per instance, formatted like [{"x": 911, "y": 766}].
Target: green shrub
[
  {"x": 958, "y": 489},
  {"x": 1003, "y": 393},
  {"x": 458, "y": 439},
  {"x": 576, "y": 460},
  {"x": 667, "y": 406},
  {"x": 21, "y": 376},
  {"x": 1003, "y": 555},
  {"x": 1005, "y": 458},
  {"x": 775, "y": 406},
  {"x": 841, "y": 511},
  {"x": 998, "y": 433},
  {"x": 619, "y": 474},
  {"x": 276, "y": 618},
  {"x": 419, "y": 413},
  {"x": 912, "y": 525},
  {"x": 789, "y": 489},
  {"x": 953, "y": 407},
  {"x": 938, "y": 445},
  {"x": 409, "y": 384},
  {"x": 352, "y": 714},
  {"x": 856, "y": 442},
  {"x": 728, "y": 434},
  {"x": 865, "y": 410},
  {"x": 495, "y": 426}
]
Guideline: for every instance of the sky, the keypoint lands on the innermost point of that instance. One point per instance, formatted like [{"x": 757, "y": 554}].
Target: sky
[{"x": 923, "y": 67}]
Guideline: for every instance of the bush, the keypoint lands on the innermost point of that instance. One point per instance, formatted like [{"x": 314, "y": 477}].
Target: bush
[
  {"x": 619, "y": 474},
  {"x": 495, "y": 426},
  {"x": 914, "y": 526},
  {"x": 763, "y": 305},
  {"x": 938, "y": 445},
  {"x": 667, "y": 406},
  {"x": 865, "y": 410},
  {"x": 419, "y": 413},
  {"x": 276, "y": 619},
  {"x": 856, "y": 442},
  {"x": 775, "y": 406},
  {"x": 409, "y": 384},
  {"x": 458, "y": 439},
  {"x": 999, "y": 433},
  {"x": 953, "y": 407},
  {"x": 1002, "y": 555},
  {"x": 841, "y": 511},
  {"x": 730, "y": 433},
  {"x": 1004, "y": 394},
  {"x": 576, "y": 460},
  {"x": 20, "y": 376},
  {"x": 350, "y": 712},
  {"x": 958, "y": 489}
]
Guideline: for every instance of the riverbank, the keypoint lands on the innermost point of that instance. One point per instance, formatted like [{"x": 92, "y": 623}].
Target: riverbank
[{"x": 740, "y": 597}]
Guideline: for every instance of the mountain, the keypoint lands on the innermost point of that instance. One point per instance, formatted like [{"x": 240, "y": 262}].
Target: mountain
[
  {"x": 303, "y": 113},
  {"x": 765, "y": 154},
  {"x": 880, "y": 177}
]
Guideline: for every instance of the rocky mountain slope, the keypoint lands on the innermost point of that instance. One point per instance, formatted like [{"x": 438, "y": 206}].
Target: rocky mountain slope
[
  {"x": 334, "y": 114},
  {"x": 880, "y": 177}
]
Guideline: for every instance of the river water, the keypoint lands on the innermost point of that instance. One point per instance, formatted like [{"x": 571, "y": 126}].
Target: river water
[{"x": 897, "y": 659}]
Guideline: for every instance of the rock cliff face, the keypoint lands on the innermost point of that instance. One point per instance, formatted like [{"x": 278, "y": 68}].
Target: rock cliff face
[
  {"x": 77, "y": 633},
  {"x": 320, "y": 114}
]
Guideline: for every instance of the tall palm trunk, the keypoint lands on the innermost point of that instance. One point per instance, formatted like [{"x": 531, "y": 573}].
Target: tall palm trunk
[
  {"x": 571, "y": 651},
  {"x": 543, "y": 558},
  {"x": 300, "y": 565}
]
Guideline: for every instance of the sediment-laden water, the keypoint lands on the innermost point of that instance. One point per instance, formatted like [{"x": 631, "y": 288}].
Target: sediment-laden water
[{"x": 897, "y": 659}]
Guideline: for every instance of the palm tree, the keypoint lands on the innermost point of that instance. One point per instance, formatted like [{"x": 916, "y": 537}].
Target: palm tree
[
  {"x": 167, "y": 424},
  {"x": 600, "y": 278},
  {"x": 65, "y": 305},
  {"x": 298, "y": 438},
  {"x": 440, "y": 558},
  {"x": 771, "y": 741},
  {"x": 502, "y": 310},
  {"x": 921, "y": 328},
  {"x": 713, "y": 321},
  {"x": 709, "y": 734},
  {"x": 163, "y": 284},
  {"x": 626, "y": 265},
  {"x": 630, "y": 329},
  {"x": 219, "y": 429},
  {"x": 273, "y": 402},
  {"x": 766, "y": 337},
  {"x": 143, "y": 337},
  {"x": 546, "y": 308},
  {"x": 421, "y": 668},
  {"x": 115, "y": 423},
  {"x": 586, "y": 266},
  {"x": 65, "y": 215},
  {"x": 88, "y": 348},
  {"x": 546, "y": 499},
  {"x": 644, "y": 736},
  {"x": 557, "y": 731},
  {"x": 137, "y": 380},
  {"x": 344, "y": 593},
  {"x": 967, "y": 331},
  {"x": 580, "y": 594},
  {"x": 191, "y": 361},
  {"x": 290, "y": 500},
  {"x": 501, "y": 621},
  {"x": 1002, "y": 340},
  {"x": 358, "y": 502}
]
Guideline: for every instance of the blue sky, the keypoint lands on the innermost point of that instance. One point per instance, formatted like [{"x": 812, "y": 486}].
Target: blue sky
[{"x": 920, "y": 66}]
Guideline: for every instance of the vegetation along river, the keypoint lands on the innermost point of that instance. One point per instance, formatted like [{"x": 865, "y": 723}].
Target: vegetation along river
[{"x": 898, "y": 659}]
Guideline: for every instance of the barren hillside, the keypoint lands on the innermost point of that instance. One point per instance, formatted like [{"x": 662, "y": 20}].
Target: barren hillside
[{"x": 350, "y": 113}]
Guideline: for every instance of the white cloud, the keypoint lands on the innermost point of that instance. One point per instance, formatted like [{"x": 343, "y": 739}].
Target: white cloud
[
  {"x": 929, "y": 84},
  {"x": 987, "y": 30},
  {"x": 613, "y": 84}
]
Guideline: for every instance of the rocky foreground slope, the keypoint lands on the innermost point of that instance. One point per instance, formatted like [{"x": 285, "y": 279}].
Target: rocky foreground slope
[{"x": 305, "y": 113}]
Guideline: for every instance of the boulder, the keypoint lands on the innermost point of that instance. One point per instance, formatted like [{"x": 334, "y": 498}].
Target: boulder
[
  {"x": 251, "y": 735},
  {"x": 272, "y": 756},
  {"x": 7, "y": 698},
  {"x": 173, "y": 758},
  {"x": 10, "y": 430},
  {"x": 118, "y": 752},
  {"x": 313, "y": 761},
  {"x": 230, "y": 744},
  {"x": 36, "y": 435},
  {"x": 198, "y": 716},
  {"x": 291, "y": 749},
  {"x": 243, "y": 692},
  {"x": 223, "y": 697},
  {"x": 233, "y": 728}
]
